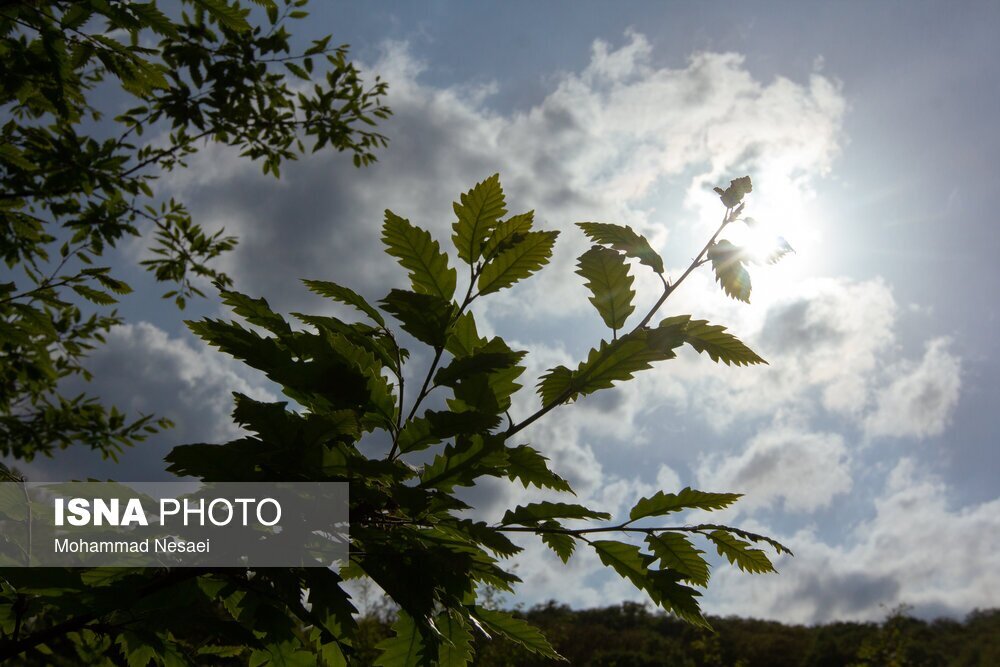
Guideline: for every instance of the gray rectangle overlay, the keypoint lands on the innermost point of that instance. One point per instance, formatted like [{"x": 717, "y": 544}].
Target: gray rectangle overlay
[{"x": 173, "y": 524}]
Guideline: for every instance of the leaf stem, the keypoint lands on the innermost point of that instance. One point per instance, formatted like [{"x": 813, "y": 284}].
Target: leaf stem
[{"x": 668, "y": 289}]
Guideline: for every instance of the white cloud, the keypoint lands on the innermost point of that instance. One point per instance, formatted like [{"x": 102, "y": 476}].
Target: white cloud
[
  {"x": 803, "y": 470},
  {"x": 919, "y": 400},
  {"x": 143, "y": 370},
  {"x": 916, "y": 549},
  {"x": 603, "y": 145}
]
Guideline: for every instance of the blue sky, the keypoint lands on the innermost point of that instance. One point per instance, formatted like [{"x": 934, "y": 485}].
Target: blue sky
[{"x": 869, "y": 130}]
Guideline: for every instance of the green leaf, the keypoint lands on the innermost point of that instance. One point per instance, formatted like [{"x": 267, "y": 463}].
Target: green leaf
[
  {"x": 611, "y": 362},
  {"x": 526, "y": 464},
  {"x": 747, "y": 535},
  {"x": 713, "y": 339},
  {"x": 255, "y": 311},
  {"x": 624, "y": 239},
  {"x": 464, "y": 339},
  {"x": 419, "y": 254},
  {"x": 230, "y": 16},
  {"x": 625, "y": 559},
  {"x": 481, "y": 362},
  {"x": 417, "y": 434},
  {"x": 346, "y": 296},
  {"x": 137, "y": 651},
  {"x": 94, "y": 296},
  {"x": 508, "y": 233},
  {"x": 727, "y": 260},
  {"x": 405, "y": 648},
  {"x": 478, "y": 213},
  {"x": 535, "y": 513},
  {"x": 515, "y": 630},
  {"x": 676, "y": 552},
  {"x": 519, "y": 262},
  {"x": 456, "y": 645},
  {"x": 423, "y": 316},
  {"x": 562, "y": 544},
  {"x": 665, "y": 589},
  {"x": 740, "y": 553},
  {"x": 554, "y": 384},
  {"x": 460, "y": 464},
  {"x": 662, "y": 503},
  {"x": 610, "y": 284}
]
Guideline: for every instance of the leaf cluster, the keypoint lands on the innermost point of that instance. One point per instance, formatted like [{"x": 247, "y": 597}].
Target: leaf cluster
[
  {"x": 351, "y": 416},
  {"x": 77, "y": 175}
]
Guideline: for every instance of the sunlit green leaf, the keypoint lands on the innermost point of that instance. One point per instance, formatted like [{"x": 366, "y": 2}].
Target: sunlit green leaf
[
  {"x": 624, "y": 239},
  {"x": 609, "y": 283},
  {"x": 420, "y": 255}
]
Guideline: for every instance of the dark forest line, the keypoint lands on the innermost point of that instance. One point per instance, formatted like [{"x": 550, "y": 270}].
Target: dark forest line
[{"x": 631, "y": 635}]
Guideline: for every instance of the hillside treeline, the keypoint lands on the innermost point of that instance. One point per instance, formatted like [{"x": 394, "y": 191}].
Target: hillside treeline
[{"x": 631, "y": 635}]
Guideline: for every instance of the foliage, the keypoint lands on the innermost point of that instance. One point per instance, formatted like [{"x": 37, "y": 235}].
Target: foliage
[
  {"x": 632, "y": 635},
  {"x": 81, "y": 83},
  {"x": 350, "y": 421}
]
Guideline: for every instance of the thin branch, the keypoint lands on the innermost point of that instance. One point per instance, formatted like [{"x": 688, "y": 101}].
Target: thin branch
[{"x": 668, "y": 289}]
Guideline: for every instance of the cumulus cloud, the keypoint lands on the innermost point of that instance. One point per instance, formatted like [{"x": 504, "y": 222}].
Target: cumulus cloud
[
  {"x": 919, "y": 401},
  {"x": 916, "y": 549},
  {"x": 606, "y": 143},
  {"x": 802, "y": 470},
  {"x": 143, "y": 370},
  {"x": 595, "y": 147}
]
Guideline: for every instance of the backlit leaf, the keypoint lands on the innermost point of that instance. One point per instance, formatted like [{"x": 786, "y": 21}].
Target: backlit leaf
[
  {"x": 519, "y": 262},
  {"x": 727, "y": 260},
  {"x": 420, "y": 255},
  {"x": 478, "y": 211},
  {"x": 609, "y": 283},
  {"x": 624, "y": 239}
]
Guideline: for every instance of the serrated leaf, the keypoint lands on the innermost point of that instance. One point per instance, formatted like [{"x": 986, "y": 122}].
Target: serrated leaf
[
  {"x": 727, "y": 260},
  {"x": 481, "y": 362},
  {"x": 662, "y": 503},
  {"x": 740, "y": 553},
  {"x": 405, "y": 648},
  {"x": 255, "y": 311},
  {"x": 624, "y": 239},
  {"x": 519, "y": 262},
  {"x": 747, "y": 535},
  {"x": 489, "y": 537},
  {"x": 555, "y": 383},
  {"x": 94, "y": 296},
  {"x": 535, "y": 513},
  {"x": 420, "y": 255},
  {"x": 346, "y": 296},
  {"x": 625, "y": 559},
  {"x": 676, "y": 552},
  {"x": 712, "y": 339},
  {"x": 515, "y": 630},
  {"x": 455, "y": 649},
  {"x": 417, "y": 434},
  {"x": 612, "y": 362},
  {"x": 562, "y": 544},
  {"x": 665, "y": 589},
  {"x": 610, "y": 284},
  {"x": 507, "y": 233},
  {"x": 230, "y": 16},
  {"x": 527, "y": 465},
  {"x": 460, "y": 464},
  {"x": 423, "y": 316},
  {"x": 464, "y": 339},
  {"x": 478, "y": 211}
]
